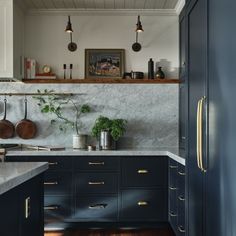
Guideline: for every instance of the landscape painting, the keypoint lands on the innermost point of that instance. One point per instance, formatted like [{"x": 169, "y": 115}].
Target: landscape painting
[{"x": 104, "y": 63}]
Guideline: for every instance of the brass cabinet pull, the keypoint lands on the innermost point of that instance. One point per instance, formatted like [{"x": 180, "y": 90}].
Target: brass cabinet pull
[
  {"x": 181, "y": 229},
  {"x": 142, "y": 203},
  {"x": 199, "y": 134},
  {"x": 143, "y": 171},
  {"x": 51, "y": 183},
  {"x": 51, "y": 208},
  {"x": 27, "y": 207},
  {"x": 53, "y": 163},
  {"x": 181, "y": 173},
  {"x": 172, "y": 214},
  {"x": 98, "y": 206},
  {"x": 173, "y": 167},
  {"x": 96, "y": 183},
  {"x": 172, "y": 188},
  {"x": 181, "y": 198},
  {"x": 97, "y": 163}
]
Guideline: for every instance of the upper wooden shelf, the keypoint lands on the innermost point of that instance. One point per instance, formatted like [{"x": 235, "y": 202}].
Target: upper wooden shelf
[{"x": 101, "y": 81}]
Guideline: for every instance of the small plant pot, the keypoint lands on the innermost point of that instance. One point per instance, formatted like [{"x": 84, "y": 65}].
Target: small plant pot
[
  {"x": 106, "y": 142},
  {"x": 80, "y": 141}
]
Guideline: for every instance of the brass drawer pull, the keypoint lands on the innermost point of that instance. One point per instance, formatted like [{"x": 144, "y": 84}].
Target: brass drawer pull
[
  {"x": 172, "y": 214},
  {"x": 173, "y": 167},
  {"x": 98, "y": 206},
  {"x": 53, "y": 163},
  {"x": 181, "y": 173},
  {"x": 51, "y": 208},
  {"x": 96, "y": 183},
  {"x": 97, "y": 163},
  {"x": 142, "y": 203},
  {"x": 142, "y": 171},
  {"x": 172, "y": 188},
  {"x": 51, "y": 183},
  {"x": 181, "y": 198},
  {"x": 181, "y": 229},
  {"x": 27, "y": 207}
]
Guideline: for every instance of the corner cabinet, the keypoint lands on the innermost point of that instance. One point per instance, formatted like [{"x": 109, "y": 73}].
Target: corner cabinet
[
  {"x": 21, "y": 209},
  {"x": 127, "y": 190},
  {"x": 11, "y": 39}
]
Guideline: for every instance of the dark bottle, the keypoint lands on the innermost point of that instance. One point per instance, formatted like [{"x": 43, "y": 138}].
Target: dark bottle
[
  {"x": 150, "y": 69},
  {"x": 160, "y": 74}
]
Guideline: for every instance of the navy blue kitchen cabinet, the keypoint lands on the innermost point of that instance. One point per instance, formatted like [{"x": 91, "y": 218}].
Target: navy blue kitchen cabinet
[
  {"x": 22, "y": 209},
  {"x": 103, "y": 189},
  {"x": 177, "y": 201},
  {"x": 211, "y": 54}
]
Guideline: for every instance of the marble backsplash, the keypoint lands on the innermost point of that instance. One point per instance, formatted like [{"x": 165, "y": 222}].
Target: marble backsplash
[{"x": 151, "y": 111}]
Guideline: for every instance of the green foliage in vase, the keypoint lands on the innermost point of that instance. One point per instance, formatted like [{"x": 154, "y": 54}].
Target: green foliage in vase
[
  {"x": 116, "y": 127},
  {"x": 56, "y": 105}
]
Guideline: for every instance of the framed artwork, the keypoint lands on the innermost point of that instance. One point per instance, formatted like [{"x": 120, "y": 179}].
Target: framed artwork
[{"x": 104, "y": 63}]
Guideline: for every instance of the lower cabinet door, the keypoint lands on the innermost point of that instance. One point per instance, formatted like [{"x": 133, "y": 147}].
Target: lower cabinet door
[
  {"x": 144, "y": 204},
  {"x": 96, "y": 208},
  {"x": 56, "y": 209}
]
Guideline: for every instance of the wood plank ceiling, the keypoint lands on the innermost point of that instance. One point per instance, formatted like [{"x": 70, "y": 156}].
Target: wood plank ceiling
[{"x": 100, "y": 4}]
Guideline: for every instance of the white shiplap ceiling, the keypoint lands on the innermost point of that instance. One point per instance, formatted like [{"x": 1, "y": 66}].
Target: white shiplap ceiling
[{"x": 99, "y": 4}]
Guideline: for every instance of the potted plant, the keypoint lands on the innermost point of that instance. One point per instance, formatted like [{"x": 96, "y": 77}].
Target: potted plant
[
  {"x": 108, "y": 131},
  {"x": 55, "y": 105}
]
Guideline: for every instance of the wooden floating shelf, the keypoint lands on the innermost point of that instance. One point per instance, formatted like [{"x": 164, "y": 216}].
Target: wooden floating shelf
[{"x": 101, "y": 81}]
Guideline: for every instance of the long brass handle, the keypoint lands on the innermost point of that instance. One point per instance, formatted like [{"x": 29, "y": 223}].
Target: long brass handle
[
  {"x": 52, "y": 163},
  {"x": 96, "y": 163},
  {"x": 27, "y": 207},
  {"x": 98, "y": 206},
  {"x": 200, "y": 135},
  {"x": 51, "y": 183},
  {"x": 51, "y": 208},
  {"x": 142, "y": 203},
  {"x": 143, "y": 171},
  {"x": 181, "y": 229},
  {"x": 96, "y": 183}
]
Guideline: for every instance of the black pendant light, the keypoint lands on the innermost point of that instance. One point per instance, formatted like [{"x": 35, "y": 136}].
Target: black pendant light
[
  {"x": 139, "y": 28},
  {"x": 137, "y": 46},
  {"x": 69, "y": 26},
  {"x": 71, "y": 46}
]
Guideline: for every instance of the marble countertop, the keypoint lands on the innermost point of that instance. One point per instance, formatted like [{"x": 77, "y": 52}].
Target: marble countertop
[
  {"x": 173, "y": 153},
  {"x": 13, "y": 174}
]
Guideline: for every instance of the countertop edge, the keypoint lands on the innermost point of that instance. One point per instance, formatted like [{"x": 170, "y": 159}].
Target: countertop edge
[{"x": 15, "y": 181}]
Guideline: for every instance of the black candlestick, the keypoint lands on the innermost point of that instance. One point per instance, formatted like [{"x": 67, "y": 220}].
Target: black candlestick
[
  {"x": 71, "y": 67},
  {"x": 150, "y": 69},
  {"x": 64, "y": 67}
]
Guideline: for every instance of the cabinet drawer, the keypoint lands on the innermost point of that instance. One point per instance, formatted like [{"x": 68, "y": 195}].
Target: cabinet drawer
[
  {"x": 58, "y": 183},
  {"x": 144, "y": 171},
  {"x": 144, "y": 204},
  {"x": 56, "y": 208},
  {"x": 99, "y": 208},
  {"x": 54, "y": 162},
  {"x": 97, "y": 163},
  {"x": 96, "y": 183}
]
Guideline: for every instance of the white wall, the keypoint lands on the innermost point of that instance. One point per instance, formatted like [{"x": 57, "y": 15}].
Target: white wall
[{"x": 46, "y": 40}]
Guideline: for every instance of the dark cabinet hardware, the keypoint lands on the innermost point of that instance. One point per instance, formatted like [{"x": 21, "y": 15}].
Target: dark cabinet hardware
[
  {"x": 181, "y": 173},
  {"x": 181, "y": 229},
  {"x": 98, "y": 206},
  {"x": 96, "y": 163},
  {"x": 172, "y": 188},
  {"x": 181, "y": 198},
  {"x": 51, "y": 208},
  {"x": 51, "y": 183},
  {"x": 96, "y": 183},
  {"x": 173, "y": 167},
  {"x": 172, "y": 214},
  {"x": 53, "y": 163}
]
